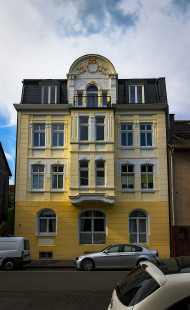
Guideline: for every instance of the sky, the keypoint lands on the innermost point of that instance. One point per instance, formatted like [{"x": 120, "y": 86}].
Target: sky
[{"x": 42, "y": 38}]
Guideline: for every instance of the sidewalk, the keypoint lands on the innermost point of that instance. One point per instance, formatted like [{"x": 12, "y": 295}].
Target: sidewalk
[{"x": 50, "y": 264}]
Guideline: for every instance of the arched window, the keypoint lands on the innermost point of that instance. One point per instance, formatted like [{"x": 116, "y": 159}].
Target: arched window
[
  {"x": 92, "y": 227},
  {"x": 92, "y": 96},
  {"x": 138, "y": 226},
  {"x": 46, "y": 222}
]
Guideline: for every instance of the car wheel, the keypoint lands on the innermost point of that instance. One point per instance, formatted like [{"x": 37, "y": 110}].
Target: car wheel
[
  {"x": 87, "y": 264},
  {"x": 8, "y": 264}
]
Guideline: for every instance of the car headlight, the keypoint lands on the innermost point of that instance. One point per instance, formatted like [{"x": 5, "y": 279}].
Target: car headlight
[{"x": 80, "y": 257}]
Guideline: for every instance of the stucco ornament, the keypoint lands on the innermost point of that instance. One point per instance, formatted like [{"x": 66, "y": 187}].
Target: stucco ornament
[{"x": 92, "y": 66}]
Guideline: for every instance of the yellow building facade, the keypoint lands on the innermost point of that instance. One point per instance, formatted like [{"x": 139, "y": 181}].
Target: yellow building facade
[{"x": 91, "y": 164}]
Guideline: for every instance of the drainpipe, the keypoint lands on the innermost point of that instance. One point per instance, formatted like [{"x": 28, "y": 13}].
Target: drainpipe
[{"x": 172, "y": 205}]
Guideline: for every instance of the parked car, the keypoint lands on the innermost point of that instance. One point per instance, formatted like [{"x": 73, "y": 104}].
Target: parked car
[
  {"x": 158, "y": 285},
  {"x": 14, "y": 251},
  {"x": 115, "y": 256}
]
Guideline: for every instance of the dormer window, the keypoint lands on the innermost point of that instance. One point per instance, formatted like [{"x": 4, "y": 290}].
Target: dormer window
[
  {"x": 49, "y": 94},
  {"x": 136, "y": 94}
]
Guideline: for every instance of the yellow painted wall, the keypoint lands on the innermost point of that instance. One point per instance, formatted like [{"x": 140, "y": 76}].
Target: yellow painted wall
[{"x": 66, "y": 242}]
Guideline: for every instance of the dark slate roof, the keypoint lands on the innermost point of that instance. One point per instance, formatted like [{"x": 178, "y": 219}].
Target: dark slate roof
[
  {"x": 31, "y": 93},
  {"x": 179, "y": 133},
  {"x": 5, "y": 160},
  {"x": 154, "y": 90}
]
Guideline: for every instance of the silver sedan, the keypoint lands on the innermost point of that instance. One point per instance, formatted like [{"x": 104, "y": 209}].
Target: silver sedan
[{"x": 115, "y": 256}]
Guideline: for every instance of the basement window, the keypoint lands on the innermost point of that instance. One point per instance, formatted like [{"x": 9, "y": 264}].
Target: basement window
[{"x": 45, "y": 255}]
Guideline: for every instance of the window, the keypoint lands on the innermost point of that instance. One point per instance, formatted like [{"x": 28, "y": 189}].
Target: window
[
  {"x": 80, "y": 99},
  {"x": 57, "y": 135},
  {"x": 100, "y": 128},
  {"x": 182, "y": 233},
  {"x": 135, "y": 287},
  {"x": 100, "y": 173},
  {"x": 57, "y": 177},
  {"x": 49, "y": 94},
  {"x": 146, "y": 176},
  {"x": 126, "y": 135},
  {"x": 45, "y": 255},
  {"x": 83, "y": 128},
  {"x": 105, "y": 99},
  {"x": 47, "y": 222},
  {"x": 127, "y": 176},
  {"x": 138, "y": 227},
  {"x": 83, "y": 172},
  {"x": 39, "y": 135},
  {"x": 38, "y": 177},
  {"x": 146, "y": 135},
  {"x": 92, "y": 227},
  {"x": 135, "y": 94},
  {"x": 92, "y": 97}
]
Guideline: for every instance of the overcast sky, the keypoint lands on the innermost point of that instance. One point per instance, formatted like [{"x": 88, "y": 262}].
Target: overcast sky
[{"x": 42, "y": 38}]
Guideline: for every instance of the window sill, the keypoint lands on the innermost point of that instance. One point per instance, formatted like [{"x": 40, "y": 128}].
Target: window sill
[
  {"x": 127, "y": 191},
  {"x": 148, "y": 191},
  {"x": 36, "y": 191},
  {"x": 37, "y": 148},
  {"x": 46, "y": 234},
  {"x": 91, "y": 142},
  {"x": 58, "y": 147}
]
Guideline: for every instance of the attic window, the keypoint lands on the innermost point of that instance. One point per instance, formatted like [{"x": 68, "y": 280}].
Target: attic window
[
  {"x": 49, "y": 94},
  {"x": 136, "y": 94}
]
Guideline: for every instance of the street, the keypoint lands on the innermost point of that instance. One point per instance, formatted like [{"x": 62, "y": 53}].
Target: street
[{"x": 67, "y": 289}]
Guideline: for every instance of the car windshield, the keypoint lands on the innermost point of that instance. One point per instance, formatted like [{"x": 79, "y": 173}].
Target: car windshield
[
  {"x": 105, "y": 248},
  {"x": 135, "y": 287}
]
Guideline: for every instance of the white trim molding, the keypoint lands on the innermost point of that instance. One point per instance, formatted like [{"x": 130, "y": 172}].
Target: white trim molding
[{"x": 91, "y": 198}]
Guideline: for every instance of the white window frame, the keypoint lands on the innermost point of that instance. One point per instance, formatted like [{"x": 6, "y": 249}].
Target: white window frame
[
  {"x": 58, "y": 131},
  {"x": 99, "y": 125},
  {"x": 49, "y": 94},
  {"x": 147, "y": 174},
  {"x": 83, "y": 125},
  {"x": 92, "y": 218},
  {"x": 137, "y": 218},
  {"x": 47, "y": 233},
  {"x": 39, "y": 132},
  {"x": 146, "y": 132},
  {"x": 127, "y": 132},
  {"x": 57, "y": 174},
  {"x": 37, "y": 173},
  {"x": 136, "y": 93},
  {"x": 100, "y": 169},
  {"x": 128, "y": 173},
  {"x": 83, "y": 169}
]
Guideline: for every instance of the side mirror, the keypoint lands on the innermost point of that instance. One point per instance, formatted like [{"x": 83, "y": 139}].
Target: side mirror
[{"x": 106, "y": 251}]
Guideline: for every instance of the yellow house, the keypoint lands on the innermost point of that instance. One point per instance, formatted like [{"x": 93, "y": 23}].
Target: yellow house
[{"x": 91, "y": 164}]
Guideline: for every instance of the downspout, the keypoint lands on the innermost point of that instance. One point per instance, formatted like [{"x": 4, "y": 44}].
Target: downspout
[{"x": 172, "y": 204}]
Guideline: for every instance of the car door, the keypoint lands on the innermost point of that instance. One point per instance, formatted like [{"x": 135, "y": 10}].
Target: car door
[
  {"x": 128, "y": 256},
  {"x": 110, "y": 258}
]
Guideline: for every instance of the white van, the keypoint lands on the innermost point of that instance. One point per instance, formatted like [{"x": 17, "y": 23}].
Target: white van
[{"x": 14, "y": 251}]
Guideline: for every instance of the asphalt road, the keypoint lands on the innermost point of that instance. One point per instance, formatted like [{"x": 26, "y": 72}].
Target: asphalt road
[{"x": 66, "y": 289}]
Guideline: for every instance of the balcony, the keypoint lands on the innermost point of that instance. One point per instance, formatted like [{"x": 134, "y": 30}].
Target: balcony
[
  {"x": 92, "y": 198},
  {"x": 92, "y": 101}
]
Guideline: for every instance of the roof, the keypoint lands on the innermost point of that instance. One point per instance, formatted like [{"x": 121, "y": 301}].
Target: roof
[
  {"x": 180, "y": 144},
  {"x": 11, "y": 188},
  {"x": 6, "y": 162}
]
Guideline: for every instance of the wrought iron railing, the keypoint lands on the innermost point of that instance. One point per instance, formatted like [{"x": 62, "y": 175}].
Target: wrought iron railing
[{"x": 92, "y": 101}]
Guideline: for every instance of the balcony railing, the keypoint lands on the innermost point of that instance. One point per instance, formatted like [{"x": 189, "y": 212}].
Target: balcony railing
[{"x": 92, "y": 101}]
